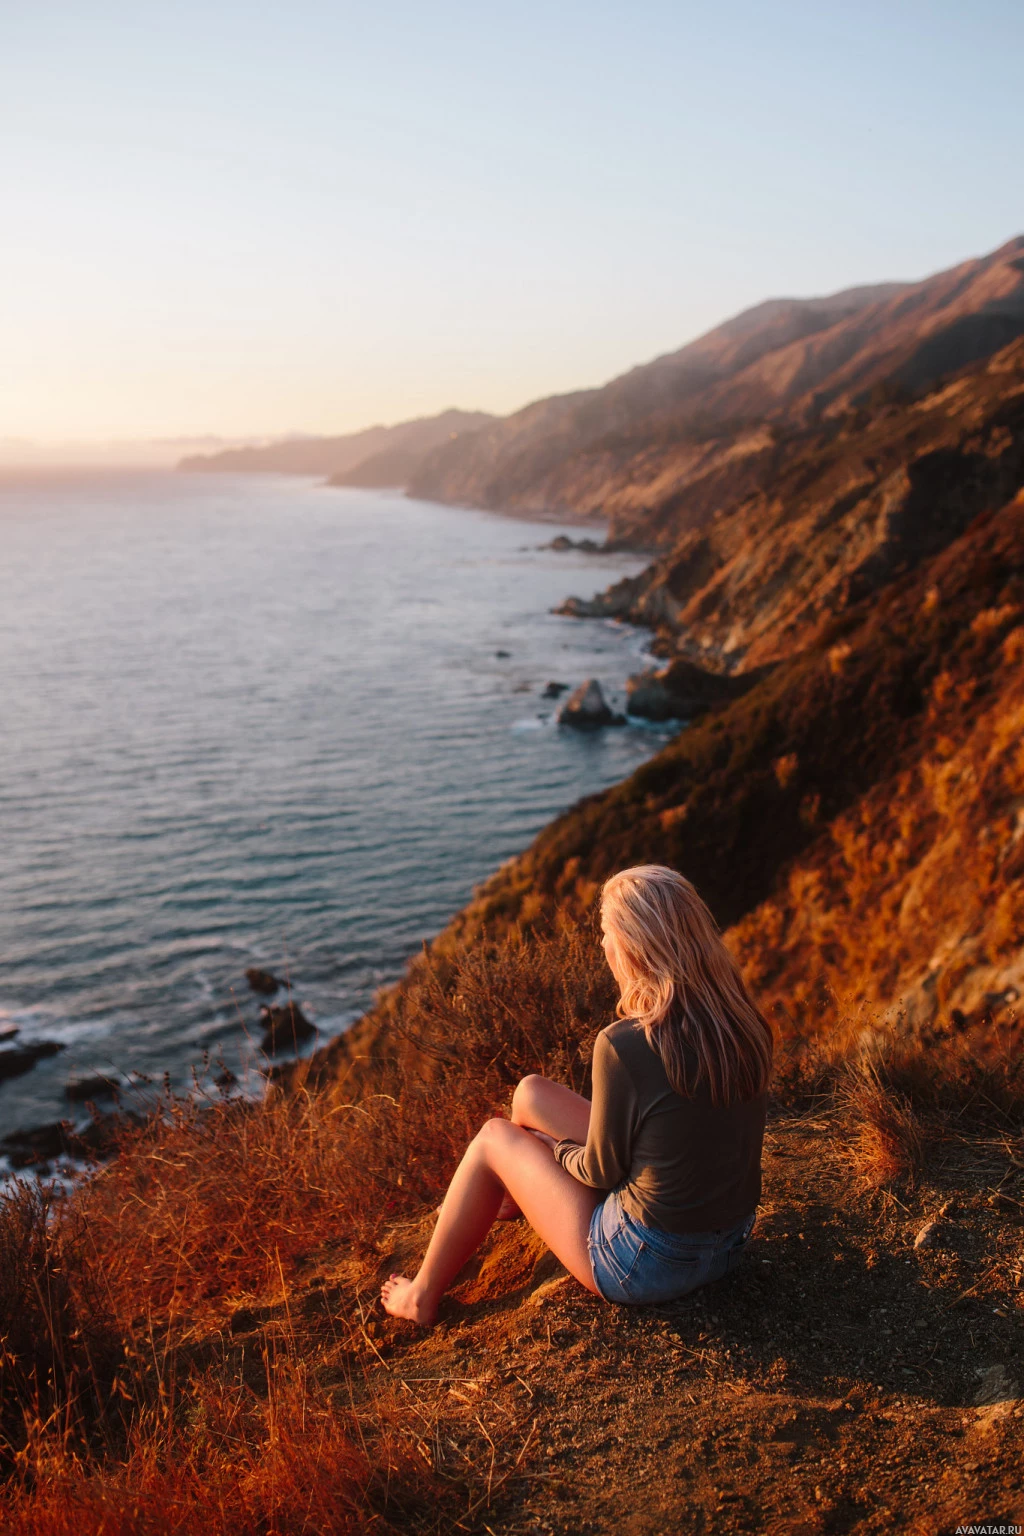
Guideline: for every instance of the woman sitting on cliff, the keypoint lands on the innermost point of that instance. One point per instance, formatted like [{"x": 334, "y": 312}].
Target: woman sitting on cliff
[{"x": 650, "y": 1189}]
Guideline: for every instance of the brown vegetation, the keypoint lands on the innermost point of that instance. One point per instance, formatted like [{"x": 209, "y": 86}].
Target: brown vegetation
[{"x": 192, "y": 1344}]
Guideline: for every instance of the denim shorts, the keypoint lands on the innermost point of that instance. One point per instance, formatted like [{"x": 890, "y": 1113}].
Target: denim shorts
[{"x": 638, "y": 1264}]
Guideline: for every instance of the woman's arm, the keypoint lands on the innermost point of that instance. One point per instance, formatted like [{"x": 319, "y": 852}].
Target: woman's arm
[{"x": 604, "y": 1162}]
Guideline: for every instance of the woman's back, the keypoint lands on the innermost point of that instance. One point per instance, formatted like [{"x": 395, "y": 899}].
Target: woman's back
[{"x": 680, "y": 1164}]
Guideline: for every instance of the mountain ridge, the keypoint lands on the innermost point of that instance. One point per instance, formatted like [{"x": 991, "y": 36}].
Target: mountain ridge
[
  {"x": 630, "y": 450},
  {"x": 336, "y": 457}
]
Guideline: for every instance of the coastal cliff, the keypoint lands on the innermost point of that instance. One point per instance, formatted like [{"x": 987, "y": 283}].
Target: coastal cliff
[
  {"x": 838, "y": 510},
  {"x": 660, "y": 450},
  {"x": 193, "y": 1336}
]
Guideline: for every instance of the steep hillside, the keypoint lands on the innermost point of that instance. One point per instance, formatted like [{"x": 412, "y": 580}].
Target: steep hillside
[
  {"x": 855, "y": 819},
  {"x": 823, "y": 515},
  {"x": 637, "y": 450},
  {"x": 192, "y": 1338},
  {"x": 404, "y": 444}
]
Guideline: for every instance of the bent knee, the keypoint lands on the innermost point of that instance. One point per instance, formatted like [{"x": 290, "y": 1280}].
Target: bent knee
[
  {"x": 527, "y": 1096},
  {"x": 496, "y": 1130},
  {"x": 496, "y": 1134}
]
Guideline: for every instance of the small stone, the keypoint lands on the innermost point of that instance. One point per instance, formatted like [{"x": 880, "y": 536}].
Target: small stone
[
  {"x": 929, "y": 1235},
  {"x": 262, "y": 981},
  {"x": 96, "y": 1086}
]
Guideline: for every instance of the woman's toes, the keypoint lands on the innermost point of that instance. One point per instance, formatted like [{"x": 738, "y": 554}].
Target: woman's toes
[{"x": 401, "y": 1300}]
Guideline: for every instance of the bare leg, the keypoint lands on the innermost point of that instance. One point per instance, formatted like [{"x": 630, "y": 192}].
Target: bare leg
[
  {"x": 547, "y": 1106},
  {"x": 503, "y": 1156},
  {"x": 543, "y": 1105}
]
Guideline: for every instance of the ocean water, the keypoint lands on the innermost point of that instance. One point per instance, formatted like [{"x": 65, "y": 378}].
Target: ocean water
[{"x": 257, "y": 721}]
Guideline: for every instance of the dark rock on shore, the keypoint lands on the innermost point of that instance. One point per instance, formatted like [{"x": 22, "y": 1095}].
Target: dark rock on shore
[
  {"x": 682, "y": 691},
  {"x": 95, "y": 1086},
  {"x": 587, "y": 709},
  {"x": 40, "y": 1145},
  {"x": 554, "y": 690},
  {"x": 561, "y": 542},
  {"x": 8, "y": 1032},
  {"x": 618, "y": 602},
  {"x": 262, "y": 981},
  {"x": 22, "y": 1058},
  {"x": 285, "y": 1028}
]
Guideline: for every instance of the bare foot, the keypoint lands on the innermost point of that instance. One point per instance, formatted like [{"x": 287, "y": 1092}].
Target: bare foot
[{"x": 400, "y": 1298}]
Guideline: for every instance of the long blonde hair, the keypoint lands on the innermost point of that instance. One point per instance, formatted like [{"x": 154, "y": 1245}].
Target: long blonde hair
[{"x": 681, "y": 985}]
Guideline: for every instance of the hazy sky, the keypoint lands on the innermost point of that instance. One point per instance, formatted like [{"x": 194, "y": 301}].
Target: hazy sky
[{"x": 260, "y": 217}]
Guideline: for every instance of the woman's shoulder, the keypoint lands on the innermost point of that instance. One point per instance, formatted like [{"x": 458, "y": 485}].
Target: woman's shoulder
[
  {"x": 620, "y": 1032},
  {"x": 627, "y": 1039},
  {"x": 644, "y": 1064}
]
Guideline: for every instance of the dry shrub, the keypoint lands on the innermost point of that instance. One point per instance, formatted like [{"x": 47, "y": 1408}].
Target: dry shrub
[
  {"x": 210, "y": 1201},
  {"x": 888, "y": 1140},
  {"x": 901, "y": 1095},
  {"x": 57, "y": 1346},
  {"x": 495, "y": 1009},
  {"x": 107, "y": 1292},
  {"x": 226, "y": 1459}
]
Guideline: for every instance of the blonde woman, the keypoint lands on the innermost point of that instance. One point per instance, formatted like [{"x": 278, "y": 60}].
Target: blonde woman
[{"x": 650, "y": 1189}]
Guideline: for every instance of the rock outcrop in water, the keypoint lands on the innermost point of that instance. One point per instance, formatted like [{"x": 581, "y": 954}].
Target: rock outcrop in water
[
  {"x": 262, "y": 982},
  {"x": 561, "y": 544},
  {"x": 22, "y": 1058},
  {"x": 587, "y": 709},
  {"x": 96, "y": 1085},
  {"x": 285, "y": 1028}
]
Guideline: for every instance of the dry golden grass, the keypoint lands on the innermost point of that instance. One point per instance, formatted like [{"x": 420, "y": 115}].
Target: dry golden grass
[
  {"x": 222, "y": 1458},
  {"x": 120, "y": 1416},
  {"x": 113, "y": 1418},
  {"x": 889, "y": 1140}
]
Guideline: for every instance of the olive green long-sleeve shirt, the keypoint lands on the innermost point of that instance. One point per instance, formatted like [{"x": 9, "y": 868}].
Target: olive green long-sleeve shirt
[{"x": 684, "y": 1165}]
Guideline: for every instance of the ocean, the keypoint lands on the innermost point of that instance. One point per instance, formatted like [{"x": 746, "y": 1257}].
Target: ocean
[{"x": 255, "y": 721}]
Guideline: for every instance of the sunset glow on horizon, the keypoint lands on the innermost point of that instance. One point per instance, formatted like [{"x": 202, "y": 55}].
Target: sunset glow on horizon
[{"x": 314, "y": 218}]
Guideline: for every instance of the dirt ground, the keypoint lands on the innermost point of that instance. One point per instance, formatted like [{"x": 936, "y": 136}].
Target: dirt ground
[{"x": 841, "y": 1379}]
